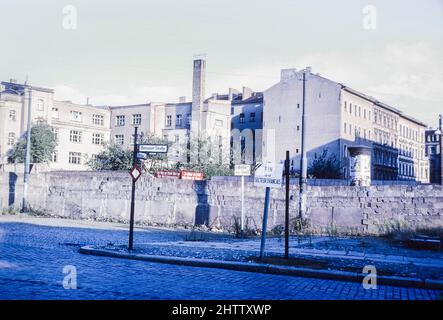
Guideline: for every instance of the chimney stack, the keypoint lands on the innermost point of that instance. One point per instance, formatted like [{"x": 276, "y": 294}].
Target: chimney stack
[
  {"x": 182, "y": 99},
  {"x": 198, "y": 95}
]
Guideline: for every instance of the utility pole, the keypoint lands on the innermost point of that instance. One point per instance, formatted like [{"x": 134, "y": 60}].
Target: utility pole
[
  {"x": 287, "y": 205},
  {"x": 131, "y": 219},
  {"x": 303, "y": 160},
  {"x": 440, "y": 124},
  {"x": 25, "y": 204}
]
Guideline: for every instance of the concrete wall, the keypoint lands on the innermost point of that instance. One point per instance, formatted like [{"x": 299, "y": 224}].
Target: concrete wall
[{"x": 106, "y": 196}]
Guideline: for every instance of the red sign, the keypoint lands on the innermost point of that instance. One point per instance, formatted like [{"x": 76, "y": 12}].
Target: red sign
[
  {"x": 167, "y": 174},
  {"x": 189, "y": 175},
  {"x": 135, "y": 173}
]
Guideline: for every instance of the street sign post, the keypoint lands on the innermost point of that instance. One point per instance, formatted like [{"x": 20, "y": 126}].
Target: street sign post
[
  {"x": 267, "y": 175},
  {"x": 135, "y": 174},
  {"x": 242, "y": 170}
]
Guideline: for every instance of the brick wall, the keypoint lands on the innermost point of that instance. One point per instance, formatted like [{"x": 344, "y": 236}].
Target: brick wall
[{"x": 106, "y": 196}]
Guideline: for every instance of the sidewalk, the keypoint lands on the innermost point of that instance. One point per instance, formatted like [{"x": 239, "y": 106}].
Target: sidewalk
[{"x": 320, "y": 257}]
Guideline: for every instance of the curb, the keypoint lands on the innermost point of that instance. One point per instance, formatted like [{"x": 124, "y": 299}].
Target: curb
[{"x": 268, "y": 268}]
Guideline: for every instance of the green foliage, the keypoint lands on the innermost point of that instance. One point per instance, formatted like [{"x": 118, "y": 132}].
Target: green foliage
[
  {"x": 113, "y": 157},
  {"x": 325, "y": 166},
  {"x": 43, "y": 144},
  {"x": 204, "y": 156}
]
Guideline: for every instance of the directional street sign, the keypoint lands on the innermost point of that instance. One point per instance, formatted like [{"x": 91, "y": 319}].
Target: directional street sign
[
  {"x": 153, "y": 148},
  {"x": 269, "y": 175},
  {"x": 135, "y": 173},
  {"x": 142, "y": 156}
]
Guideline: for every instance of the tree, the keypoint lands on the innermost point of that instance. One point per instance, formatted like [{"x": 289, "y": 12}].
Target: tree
[
  {"x": 43, "y": 144},
  {"x": 325, "y": 166},
  {"x": 202, "y": 154},
  {"x": 113, "y": 157}
]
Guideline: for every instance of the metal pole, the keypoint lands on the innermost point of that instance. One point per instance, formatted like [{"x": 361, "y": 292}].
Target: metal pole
[
  {"x": 287, "y": 205},
  {"x": 265, "y": 222},
  {"x": 303, "y": 160},
  {"x": 440, "y": 120},
  {"x": 242, "y": 205},
  {"x": 25, "y": 205},
  {"x": 131, "y": 219}
]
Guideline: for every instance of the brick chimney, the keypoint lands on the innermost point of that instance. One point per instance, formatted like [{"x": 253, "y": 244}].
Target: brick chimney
[{"x": 198, "y": 94}]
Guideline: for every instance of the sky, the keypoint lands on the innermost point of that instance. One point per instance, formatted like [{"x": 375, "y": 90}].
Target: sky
[{"x": 127, "y": 52}]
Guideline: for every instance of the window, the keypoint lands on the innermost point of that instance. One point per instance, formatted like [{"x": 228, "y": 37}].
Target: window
[
  {"x": 298, "y": 106},
  {"x": 119, "y": 139},
  {"x": 76, "y": 116},
  {"x": 177, "y": 138},
  {"x": 12, "y": 115},
  {"x": 252, "y": 117},
  {"x": 188, "y": 119},
  {"x": 11, "y": 138},
  {"x": 55, "y": 133},
  {"x": 55, "y": 114},
  {"x": 136, "y": 119},
  {"x": 97, "y": 138},
  {"x": 98, "y": 119},
  {"x": 219, "y": 123},
  {"x": 345, "y": 151},
  {"x": 40, "y": 105},
  {"x": 120, "y": 121},
  {"x": 75, "y": 157},
  {"x": 168, "y": 121},
  {"x": 350, "y": 108},
  {"x": 344, "y": 127},
  {"x": 298, "y": 128},
  {"x": 346, "y": 107},
  {"x": 75, "y": 136},
  {"x": 178, "y": 120},
  {"x": 242, "y": 118},
  {"x": 54, "y": 157}
]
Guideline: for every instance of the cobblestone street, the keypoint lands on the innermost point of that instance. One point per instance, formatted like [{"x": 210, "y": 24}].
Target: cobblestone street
[{"x": 32, "y": 258}]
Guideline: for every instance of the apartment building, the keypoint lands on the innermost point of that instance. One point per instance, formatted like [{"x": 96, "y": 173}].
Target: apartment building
[
  {"x": 338, "y": 117},
  {"x": 433, "y": 151},
  {"x": 80, "y": 130}
]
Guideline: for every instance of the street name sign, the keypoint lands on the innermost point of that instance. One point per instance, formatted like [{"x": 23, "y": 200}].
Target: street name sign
[{"x": 153, "y": 148}]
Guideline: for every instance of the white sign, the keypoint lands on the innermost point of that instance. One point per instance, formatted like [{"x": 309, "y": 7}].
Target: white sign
[
  {"x": 269, "y": 175},
  {"x": 153, "y": 148},
  {"x": 242, "y": 170}
]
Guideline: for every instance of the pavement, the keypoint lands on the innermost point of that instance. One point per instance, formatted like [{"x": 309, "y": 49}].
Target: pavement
[{"x": 33, "y": 258}]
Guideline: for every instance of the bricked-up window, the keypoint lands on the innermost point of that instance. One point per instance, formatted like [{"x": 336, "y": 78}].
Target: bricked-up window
[
  {"x": 97, "y": 138},
  {"x": 12, "y": 115},
  {"x": 54, "y": 157},
  {"x": 120, "y": 121},
  {"x": 119, "y": 139},
  {"x": 168, "y": 121},
  {"x": 75, "y": 136},
  {"x": 76, "y": 116},
  {"x": 11, "y": 138},
  {"x": 98, "y": 119},
  {"x": 75, "y": 157},
  {"x": 242, "y": 118},
  {"x": 136, "y": 119},
  {"x": 178, "y": 120},
  {"x": 219, "y": 123}
]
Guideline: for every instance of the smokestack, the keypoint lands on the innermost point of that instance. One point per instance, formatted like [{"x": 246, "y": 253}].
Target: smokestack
[
  {"x": 232, "y": 92},
  {"x": 246, "y": 93},
  {"x": 198, "y": 94}
]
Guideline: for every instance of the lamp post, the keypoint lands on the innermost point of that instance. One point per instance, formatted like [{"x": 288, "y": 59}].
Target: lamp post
[{"x": 25, "y": 206}]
